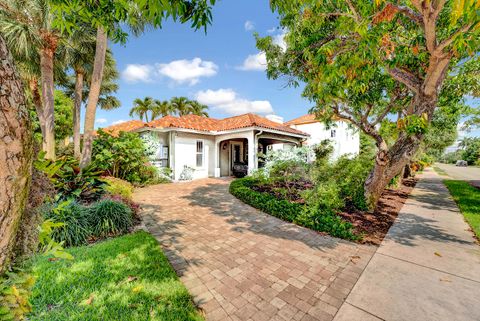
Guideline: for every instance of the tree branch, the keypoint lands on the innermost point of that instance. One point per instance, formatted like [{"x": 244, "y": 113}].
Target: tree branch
[
  {"x": 406, "y": 78},
  {"x": 447, "y": 42},
  {"x": 409, "y": 13},
  {"x": 355, "y": 13}
]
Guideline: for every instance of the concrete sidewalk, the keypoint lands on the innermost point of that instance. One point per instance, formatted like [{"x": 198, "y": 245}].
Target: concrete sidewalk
[{"x": 427, "y": 267}]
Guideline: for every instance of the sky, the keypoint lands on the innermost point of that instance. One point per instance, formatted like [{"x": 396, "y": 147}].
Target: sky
[{"x": 222, "y": 69}]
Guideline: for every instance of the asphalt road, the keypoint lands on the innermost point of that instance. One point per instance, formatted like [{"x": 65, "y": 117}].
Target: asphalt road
[{"x": 471, "y": 173}]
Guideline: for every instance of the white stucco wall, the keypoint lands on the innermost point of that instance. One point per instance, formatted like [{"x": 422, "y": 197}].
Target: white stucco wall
[
  {"x": 185, "y": 154},
  {"x": 346, "y": 140}
]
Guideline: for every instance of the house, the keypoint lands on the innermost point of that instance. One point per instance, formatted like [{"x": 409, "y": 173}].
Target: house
[
  {"x": 344, "y": 138},
  {"x": 210, "y": 146}
]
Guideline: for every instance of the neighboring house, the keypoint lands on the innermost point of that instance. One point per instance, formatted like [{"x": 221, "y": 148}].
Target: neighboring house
[
  {"x": 345, "y": 139},
  {"x": 210, "y": 146}
]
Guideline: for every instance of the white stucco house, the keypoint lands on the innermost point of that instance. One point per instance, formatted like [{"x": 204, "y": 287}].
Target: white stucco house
[
  {"x": 344, "y": 138},
  {"x": 211, "y": 146}
]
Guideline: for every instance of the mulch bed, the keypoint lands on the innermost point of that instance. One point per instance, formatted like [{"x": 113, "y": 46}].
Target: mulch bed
[{"x": 374, "y": 226}]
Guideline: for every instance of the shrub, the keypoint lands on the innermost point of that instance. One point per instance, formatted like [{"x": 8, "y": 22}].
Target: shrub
[
  {"x": 69, "y": 181},
  {"x": 76, "y": 227},
  {"x": 117, "y": 186},
  {"x": 319, "y": 217},
  {"x": 131, "y": 204},
  {"x": 108, "y": 217},
  {"x": 123, "y": 157}
]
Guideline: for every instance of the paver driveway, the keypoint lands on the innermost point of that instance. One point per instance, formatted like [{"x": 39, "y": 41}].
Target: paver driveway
[{"x": 241, "y": 264}]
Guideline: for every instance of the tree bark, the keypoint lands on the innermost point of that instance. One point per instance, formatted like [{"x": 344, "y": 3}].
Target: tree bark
[
  {"x": 46, "y": 66},
  {"x": 16, "y": 154},
  {"x": 76, "y": 112},
  {"x": 37, "y": 102},
  {"x": 97, "y": 75}
]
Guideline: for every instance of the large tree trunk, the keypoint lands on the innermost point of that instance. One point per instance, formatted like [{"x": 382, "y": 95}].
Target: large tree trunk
[
  {"x": 97, "y": 75},
  {"x": 16, "y": 152},
  {"x": 76, "y": 112},
  {"x": 37, "y": 102},
  {"x": 391, "y": 162},
  {"x": 46, "y": 65}
]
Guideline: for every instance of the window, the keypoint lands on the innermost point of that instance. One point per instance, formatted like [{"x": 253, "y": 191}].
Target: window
[
  {"x": 199, "y": 153},
  {"x": 333, "y": 133}
]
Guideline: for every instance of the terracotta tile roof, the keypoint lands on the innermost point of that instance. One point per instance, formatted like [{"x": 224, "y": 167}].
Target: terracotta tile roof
[
  {"x": 127, "y": 126},
  {"x": 206, "y": 124},
  {"x": 305, "y": 119},
  {"x": 211, "y": 124}
]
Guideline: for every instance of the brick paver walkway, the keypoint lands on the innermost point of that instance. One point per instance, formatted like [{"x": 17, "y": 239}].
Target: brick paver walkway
[{"x": 241, "y": 264}]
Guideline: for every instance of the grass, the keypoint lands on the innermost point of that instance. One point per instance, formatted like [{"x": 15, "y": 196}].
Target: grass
[
  {"x": 468, "y": 200},
  {"x": 126, "y": 278}
]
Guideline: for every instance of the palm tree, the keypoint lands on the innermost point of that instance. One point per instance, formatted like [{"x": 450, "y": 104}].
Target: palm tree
[
  {"x": 181, "y": 105},
  {"x": 141, "y": 108},
  {"x": 162, "y": 109},
  {"x": 27, "y": 27},
  {"x": 198, "y": 109}
]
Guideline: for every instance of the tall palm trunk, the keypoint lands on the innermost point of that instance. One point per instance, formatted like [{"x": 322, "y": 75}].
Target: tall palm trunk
[
  {"x": 37, "y": 102},
  {"x": 97, "y": 75},
  {"x": 79, "y": 75},
  {"x": 16, "y": 154},
  {"x": 46, "y": 68}
]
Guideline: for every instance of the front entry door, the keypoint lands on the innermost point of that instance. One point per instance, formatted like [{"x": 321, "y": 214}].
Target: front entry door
[{"x": 236, "y": 153}]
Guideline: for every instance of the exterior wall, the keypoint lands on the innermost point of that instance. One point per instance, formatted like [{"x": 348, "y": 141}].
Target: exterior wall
[
  {"x": 185, "y": 154},
  {"x": 346, "y": 140}
]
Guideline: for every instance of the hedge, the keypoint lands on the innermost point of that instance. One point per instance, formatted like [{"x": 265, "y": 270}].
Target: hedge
[{"x": 291, "y": 212}]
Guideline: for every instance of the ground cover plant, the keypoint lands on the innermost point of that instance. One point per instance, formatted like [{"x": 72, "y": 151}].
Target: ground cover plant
[
  {"x": 325, "y": 195},
  {"x": 126, "y": 278},
  {"x": 467, "y": 198}
]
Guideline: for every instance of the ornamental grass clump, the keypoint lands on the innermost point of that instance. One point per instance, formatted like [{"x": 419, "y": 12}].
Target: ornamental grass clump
[{"x": 108, "y": 217}]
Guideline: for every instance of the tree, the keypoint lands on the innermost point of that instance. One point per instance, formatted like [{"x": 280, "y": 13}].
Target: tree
[
  {"x": 162, "y": 109},
  {"x": 366, "y": 61},
  {"x": 108, "y": 16},
  {"x": 28, "y": 25},
  {"x": 470, "y": 149},
  {"x": 198, "y": 109},
  {"x": 141, "y": 108},
  {"x": 16, "y": 154},
  {"x": 181, "y": 105}
]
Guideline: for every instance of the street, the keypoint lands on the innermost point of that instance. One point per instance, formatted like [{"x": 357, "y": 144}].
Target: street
[{"x": 471, "y": 173}]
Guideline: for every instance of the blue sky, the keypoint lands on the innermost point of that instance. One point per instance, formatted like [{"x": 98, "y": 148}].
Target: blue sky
[{"x": 222, "y": 68}]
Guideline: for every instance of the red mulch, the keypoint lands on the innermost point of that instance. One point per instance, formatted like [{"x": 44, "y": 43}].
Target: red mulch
[{"x": 374, "y": 226}]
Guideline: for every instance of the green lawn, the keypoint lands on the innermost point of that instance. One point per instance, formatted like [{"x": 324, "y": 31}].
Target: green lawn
[
  {"x": 126, "y": 278},
  {"x": 468, "y": 200}
]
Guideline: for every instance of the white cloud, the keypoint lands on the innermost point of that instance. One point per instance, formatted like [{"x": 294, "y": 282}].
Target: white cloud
[
  {"x": 101, "y": 121},
  {"x": 249, "y": 25},
  {"x": 280, "y": 40},
  {"x": 187, "y": 71},
  {"x": 255, "y": 62},
  {"x": 118, "y": 122},
  {"x": 227, "y": 101},
  {"x": 137, "y": 73},
  {"x": 272, "y": 30},
  {"x": 275, "y": 118}
]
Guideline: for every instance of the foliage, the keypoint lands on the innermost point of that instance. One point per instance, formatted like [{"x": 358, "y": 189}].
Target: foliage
[
  {"x": 180, "y": 106},
  {"x": 452, "y": 157},
  {"x": 320, "y": 218},
  {"x": 467, "y": 198},
  {"x": 134, "y": 207},
  {"x": 125, "y": 278},
  {"x": 69, "y": 181},
  {"x": 117, "y": 186},
  {"x": 75, "y": 226},
  {"x": 123, "y": 157},
  {"x": 297, "y": 155},
  {"x": 15, "y": 289},
  {"x": 369, "y": 61},
  {"x": 108, "y": 217},
  {"x": 470, "y": 149}
]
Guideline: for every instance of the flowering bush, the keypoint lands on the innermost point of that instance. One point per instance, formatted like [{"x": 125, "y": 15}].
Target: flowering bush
[{"x": 272, "y": 159}]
